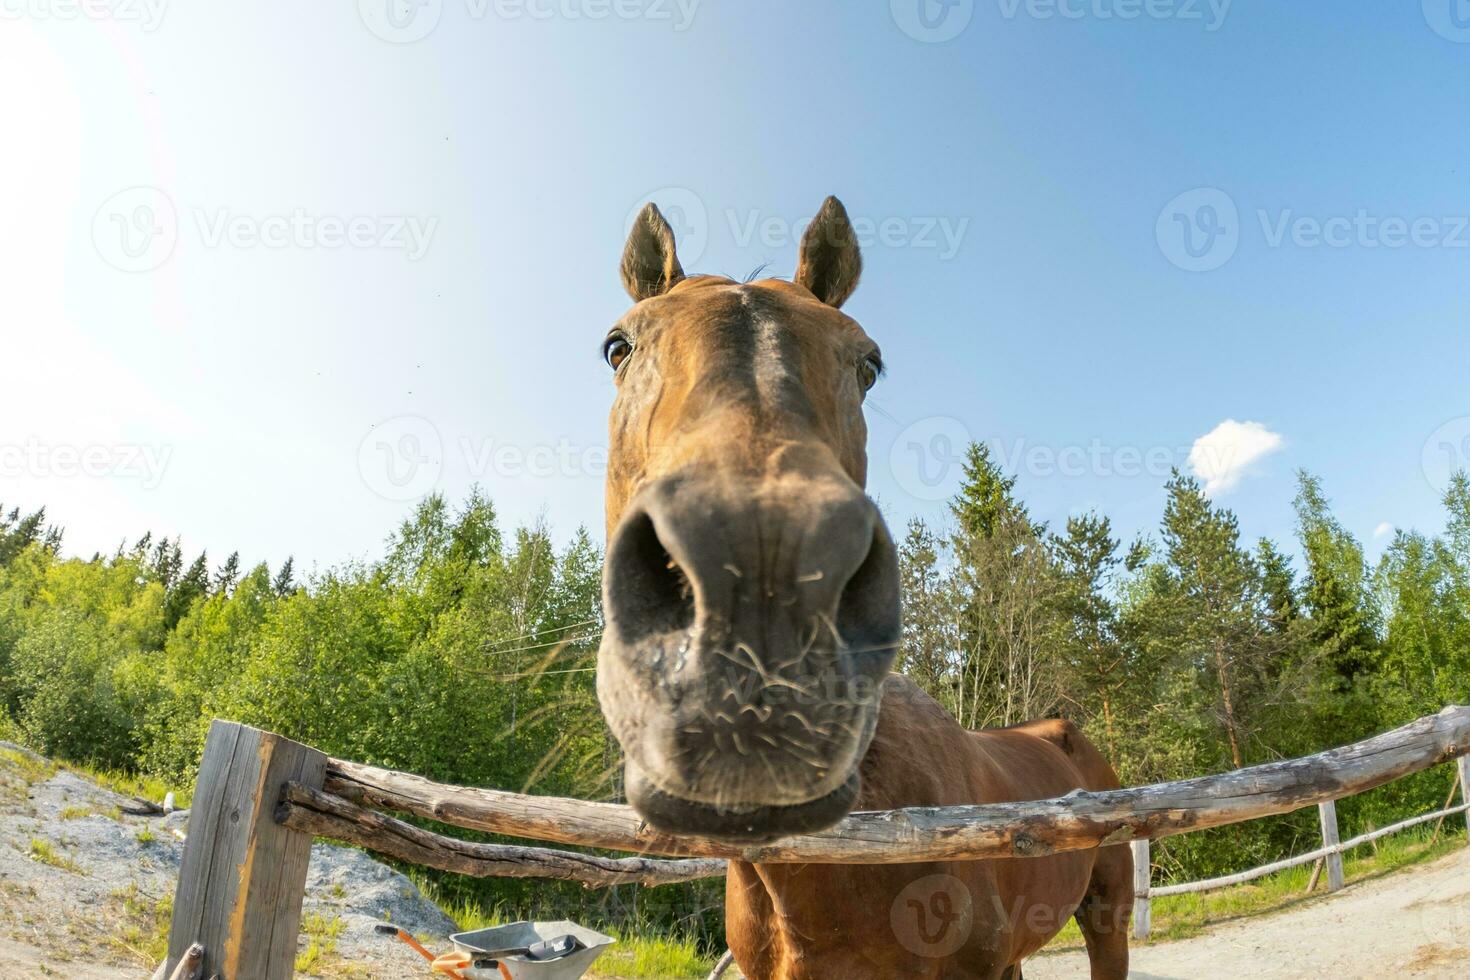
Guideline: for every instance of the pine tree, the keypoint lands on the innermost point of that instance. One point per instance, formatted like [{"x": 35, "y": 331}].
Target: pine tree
[
  {"x": 194, "y": 584},
  {"x": 986, "y": 501},
  {"x": 228, "y": 574},
  {"x": 1006, "y": 588},
  {"x": 1087, "y": 557},
  {"x": 1278, "y": 585},
  {"x": 18, "y": 533},
  {"x": 1214, "y": 612},
  {"x": 285, "y": 583},
  {"x": 1336, "y": 592}
]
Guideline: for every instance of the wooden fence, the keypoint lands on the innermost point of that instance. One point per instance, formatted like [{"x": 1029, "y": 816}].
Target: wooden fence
[
  {"x": 261, "y": 798},
  {"x": 1329, "y": 854}
]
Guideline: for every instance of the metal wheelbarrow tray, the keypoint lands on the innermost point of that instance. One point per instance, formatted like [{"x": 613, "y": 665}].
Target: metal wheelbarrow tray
[{"x": 521, "y": 934}]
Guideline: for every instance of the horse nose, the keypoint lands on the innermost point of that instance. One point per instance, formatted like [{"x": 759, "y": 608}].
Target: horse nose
[{"x": 732, "y": 559}]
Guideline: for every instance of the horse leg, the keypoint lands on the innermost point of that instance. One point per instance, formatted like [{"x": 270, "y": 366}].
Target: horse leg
[{"x": 1105, "y": 912}]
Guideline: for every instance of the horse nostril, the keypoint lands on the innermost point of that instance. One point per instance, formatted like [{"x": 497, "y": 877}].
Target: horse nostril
[
  {"x": 647, "y": 592},
  {"x": 868, "y": 609}
]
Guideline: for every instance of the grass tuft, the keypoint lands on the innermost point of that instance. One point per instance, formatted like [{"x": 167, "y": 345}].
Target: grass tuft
[
  {"x": 142, "y": 925},
  {"x": 43, "y": 851}
]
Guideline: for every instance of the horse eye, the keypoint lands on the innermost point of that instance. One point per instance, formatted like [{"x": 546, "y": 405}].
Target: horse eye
[
  {"x": 869, "y": 370},
  {"x": 616, "y": 351}
]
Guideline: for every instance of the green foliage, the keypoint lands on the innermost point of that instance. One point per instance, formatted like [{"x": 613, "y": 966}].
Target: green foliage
[
  {"x": 467, "y": 654},
  {"x": 1190, "y": 652}
]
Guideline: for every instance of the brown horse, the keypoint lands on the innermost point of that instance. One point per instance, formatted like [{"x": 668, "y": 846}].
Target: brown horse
[{"x": 752, "y": 608}]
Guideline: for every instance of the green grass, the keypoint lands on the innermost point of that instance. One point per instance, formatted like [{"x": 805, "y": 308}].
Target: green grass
[
  {"x": 43, "y": 851},
  {"x": 1183, "y": 916},
  {"x": 19, "y": 767},
  {"x": 635, "y": 956},
  {"x": 653, "y": 957},
  {"x": 142, "y": 923},
  {"x": 27, "y": 769},
  {"x": 148, "y": 788},
  {"x": 321, "y": 933}
]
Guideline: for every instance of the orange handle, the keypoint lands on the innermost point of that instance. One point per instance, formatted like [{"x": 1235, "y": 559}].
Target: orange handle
[{"x": 452, "y": 963}]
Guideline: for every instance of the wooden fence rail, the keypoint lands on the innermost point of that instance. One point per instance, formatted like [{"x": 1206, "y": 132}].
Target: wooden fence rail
[{"x": 261, "y": 798}]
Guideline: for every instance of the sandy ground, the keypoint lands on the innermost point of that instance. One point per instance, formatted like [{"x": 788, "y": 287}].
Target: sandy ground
[
  {"x": 1412, "y": 923},
  {"x": 81, "y": 882}
]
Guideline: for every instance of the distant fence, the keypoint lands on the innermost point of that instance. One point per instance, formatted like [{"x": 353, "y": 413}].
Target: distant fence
[
  {"x": 261, "y": 798},
  {"x": 1330, "y": 854}
]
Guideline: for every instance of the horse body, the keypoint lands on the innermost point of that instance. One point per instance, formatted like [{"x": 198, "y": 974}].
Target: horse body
[
  {"x": 751, "y": 602},
  {"x": 946, "y": 919}
]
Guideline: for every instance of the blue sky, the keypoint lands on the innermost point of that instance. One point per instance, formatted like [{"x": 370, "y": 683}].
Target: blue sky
[{"x": 272, "y": 271}]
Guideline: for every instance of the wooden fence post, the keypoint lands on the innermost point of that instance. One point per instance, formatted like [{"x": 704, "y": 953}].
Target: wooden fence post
[
  {"x": 1327, "y": 812},
  {"x": 1141, "y": 877},
  {"x": 243, "y": 876},
  {"x": 1463, "y": 764}
]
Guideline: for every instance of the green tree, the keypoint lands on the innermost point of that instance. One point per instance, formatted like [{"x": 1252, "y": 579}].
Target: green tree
[
  {"x": 1100, "y": 668},
  {"x": 1006, "y": 588},
  {"x": 1336, "y": 592},
  {"x": 927, "y": 653}
]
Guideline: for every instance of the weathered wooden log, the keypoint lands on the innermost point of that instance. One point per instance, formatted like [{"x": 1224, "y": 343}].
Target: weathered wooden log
[
  {"x": 1027, "y": 829},
  {"x": 312, "y": 812}
]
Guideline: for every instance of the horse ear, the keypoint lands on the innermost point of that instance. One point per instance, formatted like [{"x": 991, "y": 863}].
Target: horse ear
[
  {"x": 650, "y": 262},
  {"x": 830, "y": 262}
]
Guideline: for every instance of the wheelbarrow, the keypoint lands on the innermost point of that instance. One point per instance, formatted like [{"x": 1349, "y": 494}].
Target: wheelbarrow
[{"x": 560, "y": 950}]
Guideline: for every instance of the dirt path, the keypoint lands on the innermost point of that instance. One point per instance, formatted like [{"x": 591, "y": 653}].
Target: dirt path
[{"x": 1413, "y": 923}]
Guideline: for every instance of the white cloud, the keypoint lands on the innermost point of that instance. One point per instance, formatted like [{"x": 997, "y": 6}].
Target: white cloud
[
  {"x": 1383, "y": 529},
  {"x": 1222, "y": 456}
]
